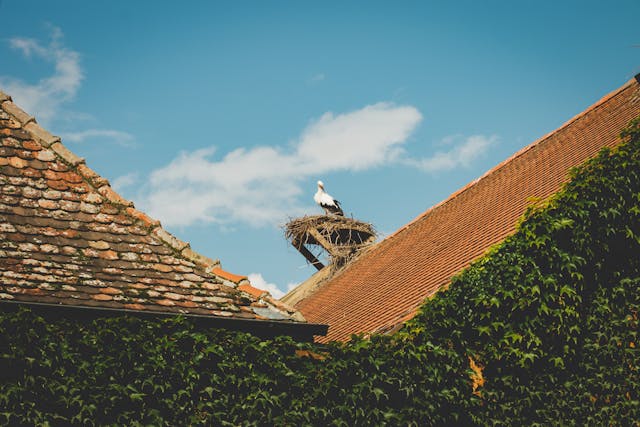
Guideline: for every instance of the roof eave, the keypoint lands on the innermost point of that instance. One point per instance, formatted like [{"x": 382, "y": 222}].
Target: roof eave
[{"x": 261, "y": 328}]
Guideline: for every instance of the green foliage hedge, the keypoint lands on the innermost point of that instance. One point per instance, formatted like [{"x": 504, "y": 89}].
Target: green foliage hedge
[{"x": 542, "y": 330}]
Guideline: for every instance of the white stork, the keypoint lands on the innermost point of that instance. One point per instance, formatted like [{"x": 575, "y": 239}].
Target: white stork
[{"x": 330, "y": 205}]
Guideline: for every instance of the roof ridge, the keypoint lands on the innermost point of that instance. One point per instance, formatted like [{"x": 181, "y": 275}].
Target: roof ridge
[{"x": 101, "y": 185}]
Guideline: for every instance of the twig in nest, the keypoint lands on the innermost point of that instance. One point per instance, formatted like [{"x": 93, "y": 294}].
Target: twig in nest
[{"x": 341, "y": 237}]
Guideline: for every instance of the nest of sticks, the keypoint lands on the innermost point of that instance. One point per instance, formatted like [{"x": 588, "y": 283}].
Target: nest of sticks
[{"x": 341, "y": 237}]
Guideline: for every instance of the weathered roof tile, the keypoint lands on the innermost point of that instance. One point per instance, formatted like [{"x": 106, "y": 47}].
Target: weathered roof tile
[
  {"x": 253, "y": 291},
  {"x": 233, "y": 278},
  {"x": 66, "y": 237},
  {"x": 43, "y": 138},
  {"x": 66, "y": 155},
  {"x": 17, "y": 113}
]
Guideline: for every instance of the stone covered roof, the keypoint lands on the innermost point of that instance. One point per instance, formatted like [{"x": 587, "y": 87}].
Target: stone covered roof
[
  {"x": 385, "y": 286},
  {"x": 66, "y": 237}
]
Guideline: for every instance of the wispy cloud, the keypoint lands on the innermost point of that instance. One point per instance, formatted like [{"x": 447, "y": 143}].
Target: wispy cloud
[
  {"x": 260, "y": 282},
  {"x": 260, "y": 185},
  {"x": 317, "y": 78},
  {"x": 463, "y": 152},
  {"x": 119, "y": 137},
  {"x": 46, "y": 99},
  {"x": 124, "y": 181}
]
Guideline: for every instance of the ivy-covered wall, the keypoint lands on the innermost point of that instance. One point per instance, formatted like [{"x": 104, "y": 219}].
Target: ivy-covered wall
[{"x": 543, "y": 330}]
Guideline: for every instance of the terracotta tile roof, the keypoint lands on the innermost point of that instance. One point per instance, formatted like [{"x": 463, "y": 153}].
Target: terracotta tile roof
[
  {"x": 67, "y": 238},
  {"x": 385, "y": 285}
]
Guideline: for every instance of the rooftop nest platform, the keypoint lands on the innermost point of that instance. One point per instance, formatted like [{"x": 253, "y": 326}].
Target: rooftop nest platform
[{"x": 340, "y": 236}]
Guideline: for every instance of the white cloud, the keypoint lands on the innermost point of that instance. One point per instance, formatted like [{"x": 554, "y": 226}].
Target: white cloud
[
  {"x": 461, "y": 155},
  {"x": 259, "y": 282},
  {"x": 317, "y": 78},
  {"x": 260, "y": 185},
  {"x": 124, "y": 181},
  {"x": 358, "y": 140},
  {"x": 119, "y": 137},
  {"x": 44, "y": 98}
]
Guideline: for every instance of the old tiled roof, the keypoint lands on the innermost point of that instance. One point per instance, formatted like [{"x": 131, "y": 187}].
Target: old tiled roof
[
  {"x": 385, "y": 286},
  {"x": 67, "y": 238}
]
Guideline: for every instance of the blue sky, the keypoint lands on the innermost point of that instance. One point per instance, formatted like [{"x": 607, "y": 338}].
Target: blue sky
[{"x": 219, "y": 117}]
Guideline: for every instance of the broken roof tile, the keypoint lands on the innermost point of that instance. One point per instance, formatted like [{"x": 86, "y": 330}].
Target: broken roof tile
[
  {"x": 255, "y": 292},
  {"x": 234, "y": 278}
]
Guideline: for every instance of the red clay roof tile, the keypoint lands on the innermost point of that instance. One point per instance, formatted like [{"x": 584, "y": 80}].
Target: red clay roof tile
[
  {"x": 235, "y": 278},
  {"x": 257, "y": 293},
  {"x": 386, "y": 285}
]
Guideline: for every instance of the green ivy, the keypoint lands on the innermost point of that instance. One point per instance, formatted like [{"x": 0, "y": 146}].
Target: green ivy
[{"x": 543, "y": 330}]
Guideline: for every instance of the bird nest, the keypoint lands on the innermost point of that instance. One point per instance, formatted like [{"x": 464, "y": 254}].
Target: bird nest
[{"x": 340, "y": 236}]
